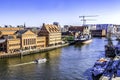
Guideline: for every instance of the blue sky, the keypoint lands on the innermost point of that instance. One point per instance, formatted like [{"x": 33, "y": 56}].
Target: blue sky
[{"x": 36, "y": 12}]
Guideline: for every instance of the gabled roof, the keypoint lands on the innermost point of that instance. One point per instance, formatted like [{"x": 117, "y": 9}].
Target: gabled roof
[
  {"x": 7, "y": 32},
  {"x": 20, "y": 31},
  {"x": 10, "y": 28},
  {"x": 50, "y": 28}
]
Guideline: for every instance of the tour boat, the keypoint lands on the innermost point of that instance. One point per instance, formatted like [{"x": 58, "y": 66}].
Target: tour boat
[
  {"x": 85, "y": 40},
  {"x": 41, "y": 60},
  {"x": 99, "y": 67}
]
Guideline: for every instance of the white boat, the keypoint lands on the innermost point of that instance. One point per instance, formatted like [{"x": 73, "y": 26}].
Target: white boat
[
  {"x": 41, "y": 60},
  {"x": 85, "y": 40}
]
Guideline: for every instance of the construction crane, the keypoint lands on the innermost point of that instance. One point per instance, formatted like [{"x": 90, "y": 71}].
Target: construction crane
[{"x": 84, "y": 20}]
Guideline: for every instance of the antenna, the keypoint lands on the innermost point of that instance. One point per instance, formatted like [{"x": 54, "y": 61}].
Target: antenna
[{"x": 84, "y": 20}]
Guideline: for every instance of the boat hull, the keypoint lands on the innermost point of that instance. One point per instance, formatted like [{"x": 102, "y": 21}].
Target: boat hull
[
  {"x": 84, "y": 41},
  {"x": 99, "y": 67},
  {"x": 41, "y": 60},
  {"x": 96, "y": 77},
  {"x": 87, "y": 41}
]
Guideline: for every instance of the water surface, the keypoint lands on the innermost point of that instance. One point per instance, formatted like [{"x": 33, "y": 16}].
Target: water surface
[{"x": 68, "y": 63}]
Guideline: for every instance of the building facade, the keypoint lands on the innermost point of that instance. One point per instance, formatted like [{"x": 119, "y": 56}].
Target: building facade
[
  {"x": 52, "y": 33},
  {"x": 98, "y": 33},
  {"x": 41, "y": 42},
  {"x": 21, "y": 40},
  {"x": 80, "y": 29},
  {"x": 12, "y": 45}
]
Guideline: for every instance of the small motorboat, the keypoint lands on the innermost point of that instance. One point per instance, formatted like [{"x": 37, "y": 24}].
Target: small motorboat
[
  {"x": 99, "y": 67},
  {"x": 40, "y": 60}
]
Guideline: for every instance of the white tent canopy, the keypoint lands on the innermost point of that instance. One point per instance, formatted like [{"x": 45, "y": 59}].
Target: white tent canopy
[{"x": 2, "y": 40}]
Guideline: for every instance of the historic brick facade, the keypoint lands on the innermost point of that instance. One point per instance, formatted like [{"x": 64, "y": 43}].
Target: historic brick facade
[
  {"x": 21, "y": 40},
  {"x": 52, "y": 33}
]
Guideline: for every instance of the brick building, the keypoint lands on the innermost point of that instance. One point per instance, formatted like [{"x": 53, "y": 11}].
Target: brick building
[
  {"x": 21, "y": 40},
  {"x": 52, "y": 33}
]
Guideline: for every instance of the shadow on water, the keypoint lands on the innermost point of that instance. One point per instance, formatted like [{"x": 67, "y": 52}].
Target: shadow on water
[
  {"x": 3, "y": 69},
  {"x": 78, "y": 45},
  {"x": 81, "y": 44},
  {"x": 88, "y": 74}
]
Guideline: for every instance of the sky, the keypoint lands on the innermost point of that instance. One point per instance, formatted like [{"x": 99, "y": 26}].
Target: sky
[{"x": 66, "y": 12}]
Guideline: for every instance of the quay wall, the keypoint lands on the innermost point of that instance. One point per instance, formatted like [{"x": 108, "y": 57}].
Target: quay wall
[{"x": 28, "y": 52}]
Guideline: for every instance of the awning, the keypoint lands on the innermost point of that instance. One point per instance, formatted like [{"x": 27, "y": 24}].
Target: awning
[{"x": 2, "y": 40}]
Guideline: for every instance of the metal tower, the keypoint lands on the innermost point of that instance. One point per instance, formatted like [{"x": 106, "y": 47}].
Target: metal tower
[{"x": 84, "y": 18}]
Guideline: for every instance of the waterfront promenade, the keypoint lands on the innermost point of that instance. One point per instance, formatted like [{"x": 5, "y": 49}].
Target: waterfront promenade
[{"x": 31, "y": 51}]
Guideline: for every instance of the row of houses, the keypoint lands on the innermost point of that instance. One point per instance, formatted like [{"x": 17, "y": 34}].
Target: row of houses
[
  {"x": 107, "y": 27},
  {"x": 84, "y": 30},
  {"x": 14, "y": 39},
  {"x": 94, "y": 29}
]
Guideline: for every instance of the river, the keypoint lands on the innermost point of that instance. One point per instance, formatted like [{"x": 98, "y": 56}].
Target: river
[{"x": 72, "y": 62}]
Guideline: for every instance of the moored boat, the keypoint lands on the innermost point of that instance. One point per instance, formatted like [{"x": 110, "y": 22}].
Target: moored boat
[
  {"x": 112, "y": 50},
  {"x": 113, "y": 71},
  {"x": 40, "y": 60},
  {"x": 117, "y": 49},
  {"x": 99, "y": 67},
  {"x": 83, "y": 39},
  {"x": 87, "y": 41}
]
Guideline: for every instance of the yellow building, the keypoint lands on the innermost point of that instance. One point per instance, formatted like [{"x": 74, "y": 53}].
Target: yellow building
[
  {"x": 41, "y": 42},
  {"x": 5, "y": 31},
  {"x": 9, "y": 44},
  {"x": 21, "y": 40},
  {"x": 52, "y": 33},
  {"x": 13, "y": 45},
  {"x": 29, "y": 40}
]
